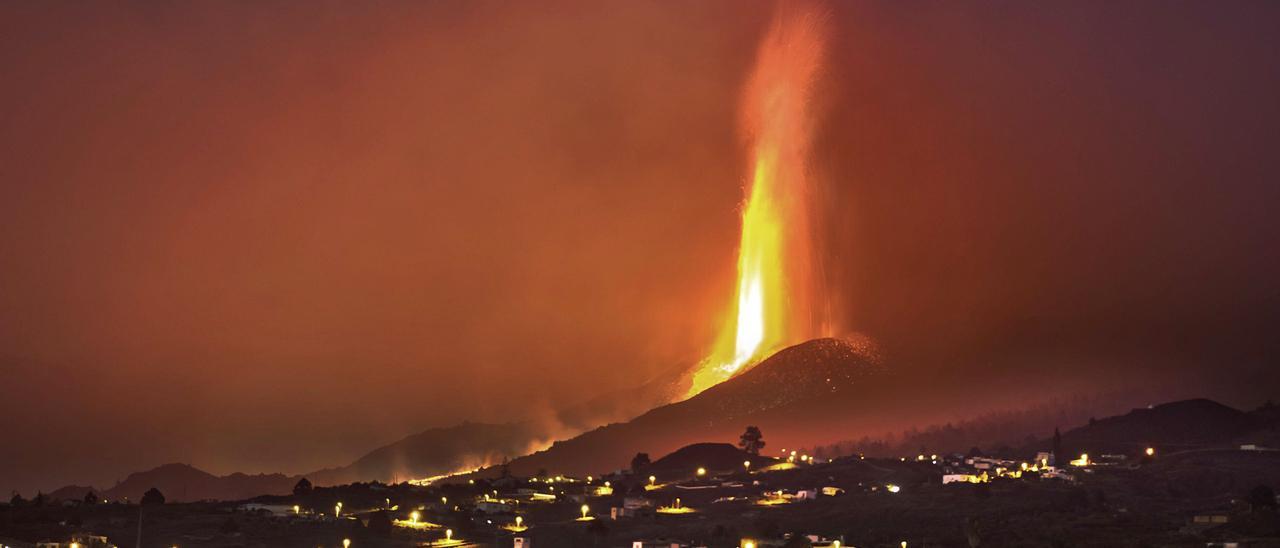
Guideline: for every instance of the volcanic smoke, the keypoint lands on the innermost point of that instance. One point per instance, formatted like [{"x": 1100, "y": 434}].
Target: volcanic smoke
[{"x": 777, "y": 287}]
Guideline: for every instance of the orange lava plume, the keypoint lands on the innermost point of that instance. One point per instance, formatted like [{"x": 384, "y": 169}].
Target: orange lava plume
[{"x": 776, "y": 286}]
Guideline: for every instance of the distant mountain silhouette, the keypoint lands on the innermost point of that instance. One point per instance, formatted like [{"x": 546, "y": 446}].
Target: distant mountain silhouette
[
  {"x": 426, "y": 454},
  {"x": 70, "y": 492},
  {"x": 437, "y": 451},
  {"x": 473, "y": 445},
  {"x": 185, "y": 483},
  {"x": 797, "y": 393},
  {"x": 1187, "y": 424}
]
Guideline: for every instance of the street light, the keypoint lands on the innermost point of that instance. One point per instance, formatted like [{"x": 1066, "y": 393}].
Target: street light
[
  {"x": 702, "y": 471},
  {"x": 346, "y": 543},
  {"x": 519, "y": 520},
  {"x": 584, "y": 511},
  {"x": 1151, "y": 451},
  {"x": 652, "y": 479},
  {"x": 413, "y": 516},
  {"x": 448, "y": 534},
  {"x": 746, "y": 464}
]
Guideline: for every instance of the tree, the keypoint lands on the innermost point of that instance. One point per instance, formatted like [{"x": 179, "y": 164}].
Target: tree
[
  {"x": 17, "y": 499},
  {"x": 90, "y": 498},
  {"x": 302, "y": 488},
  {"x": 752, "y": 441},
  {"x": 640, "y": 462},
  {"x": 1261, "y": 497},
  {"x": 152, "y": 496}
]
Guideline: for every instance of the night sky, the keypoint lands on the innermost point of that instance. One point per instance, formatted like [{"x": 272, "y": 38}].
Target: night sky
[{"x": 271, "y": 236}]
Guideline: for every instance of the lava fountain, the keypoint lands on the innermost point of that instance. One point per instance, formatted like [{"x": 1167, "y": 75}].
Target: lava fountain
[{"x": 777, "y": 285}]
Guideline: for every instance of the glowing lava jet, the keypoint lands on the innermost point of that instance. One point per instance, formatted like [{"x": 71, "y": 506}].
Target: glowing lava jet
[{"x": 776, "y": 280}]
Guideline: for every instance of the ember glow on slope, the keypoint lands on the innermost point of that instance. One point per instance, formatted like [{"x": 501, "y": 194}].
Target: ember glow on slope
[{"x": 775, "y": 283}]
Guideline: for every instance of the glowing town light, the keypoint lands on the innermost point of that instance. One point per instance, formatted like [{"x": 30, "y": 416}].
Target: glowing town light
[
  {"x": 297, "y": 509},
  {"x": 448, "y": 534},
  {"x": 444, "y": 500},
  {"x": 748, "y": 544},
  {"x": 904, "y": 544},
  {"x": 414, "y": 516},
  {"x": 589, "y": 478},
  {"x": 1151, "y": 451},
  {"x": 893, "y": 488},
  {"x": 337, "y": 510},
  {"x": 519, "y": 521},
  {"x": 346, "y": 543},
  {"x": 835, "y": 544},
  {"x": 702, "y": 471},
  {"x": 585, "y": 509},
  {"x": 652, "y": 479},
  {"x": 746, "y": 464}
]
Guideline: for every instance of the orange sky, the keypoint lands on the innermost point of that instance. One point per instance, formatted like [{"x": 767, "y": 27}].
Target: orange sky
[{"x": 267, "y": 237}]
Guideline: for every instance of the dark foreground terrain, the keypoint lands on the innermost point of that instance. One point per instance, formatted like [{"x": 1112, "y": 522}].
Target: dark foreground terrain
[{"x": 1187, "y": 498}]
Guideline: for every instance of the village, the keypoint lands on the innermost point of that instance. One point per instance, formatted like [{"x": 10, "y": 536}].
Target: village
[{"x": 712, "y": 495}]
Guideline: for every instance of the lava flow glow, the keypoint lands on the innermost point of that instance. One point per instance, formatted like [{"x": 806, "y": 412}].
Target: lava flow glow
[{"x": 775, "y": 288}]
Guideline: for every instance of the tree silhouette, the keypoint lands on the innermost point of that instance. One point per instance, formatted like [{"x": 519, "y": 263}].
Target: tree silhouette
[
  {"x": 302, "y": 488},
  {"x": 90, "y": 498},
  {"x": 152, "y": 496},
  {"x": 752, "y": 441},
  {"x": 640, "y": 462}
]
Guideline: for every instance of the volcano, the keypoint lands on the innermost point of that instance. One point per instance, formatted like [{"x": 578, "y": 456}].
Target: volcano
[{"x": 823, "y": 388}]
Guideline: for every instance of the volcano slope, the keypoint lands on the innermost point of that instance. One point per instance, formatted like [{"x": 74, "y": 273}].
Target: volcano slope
[{"x": 817, "y": 390}]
